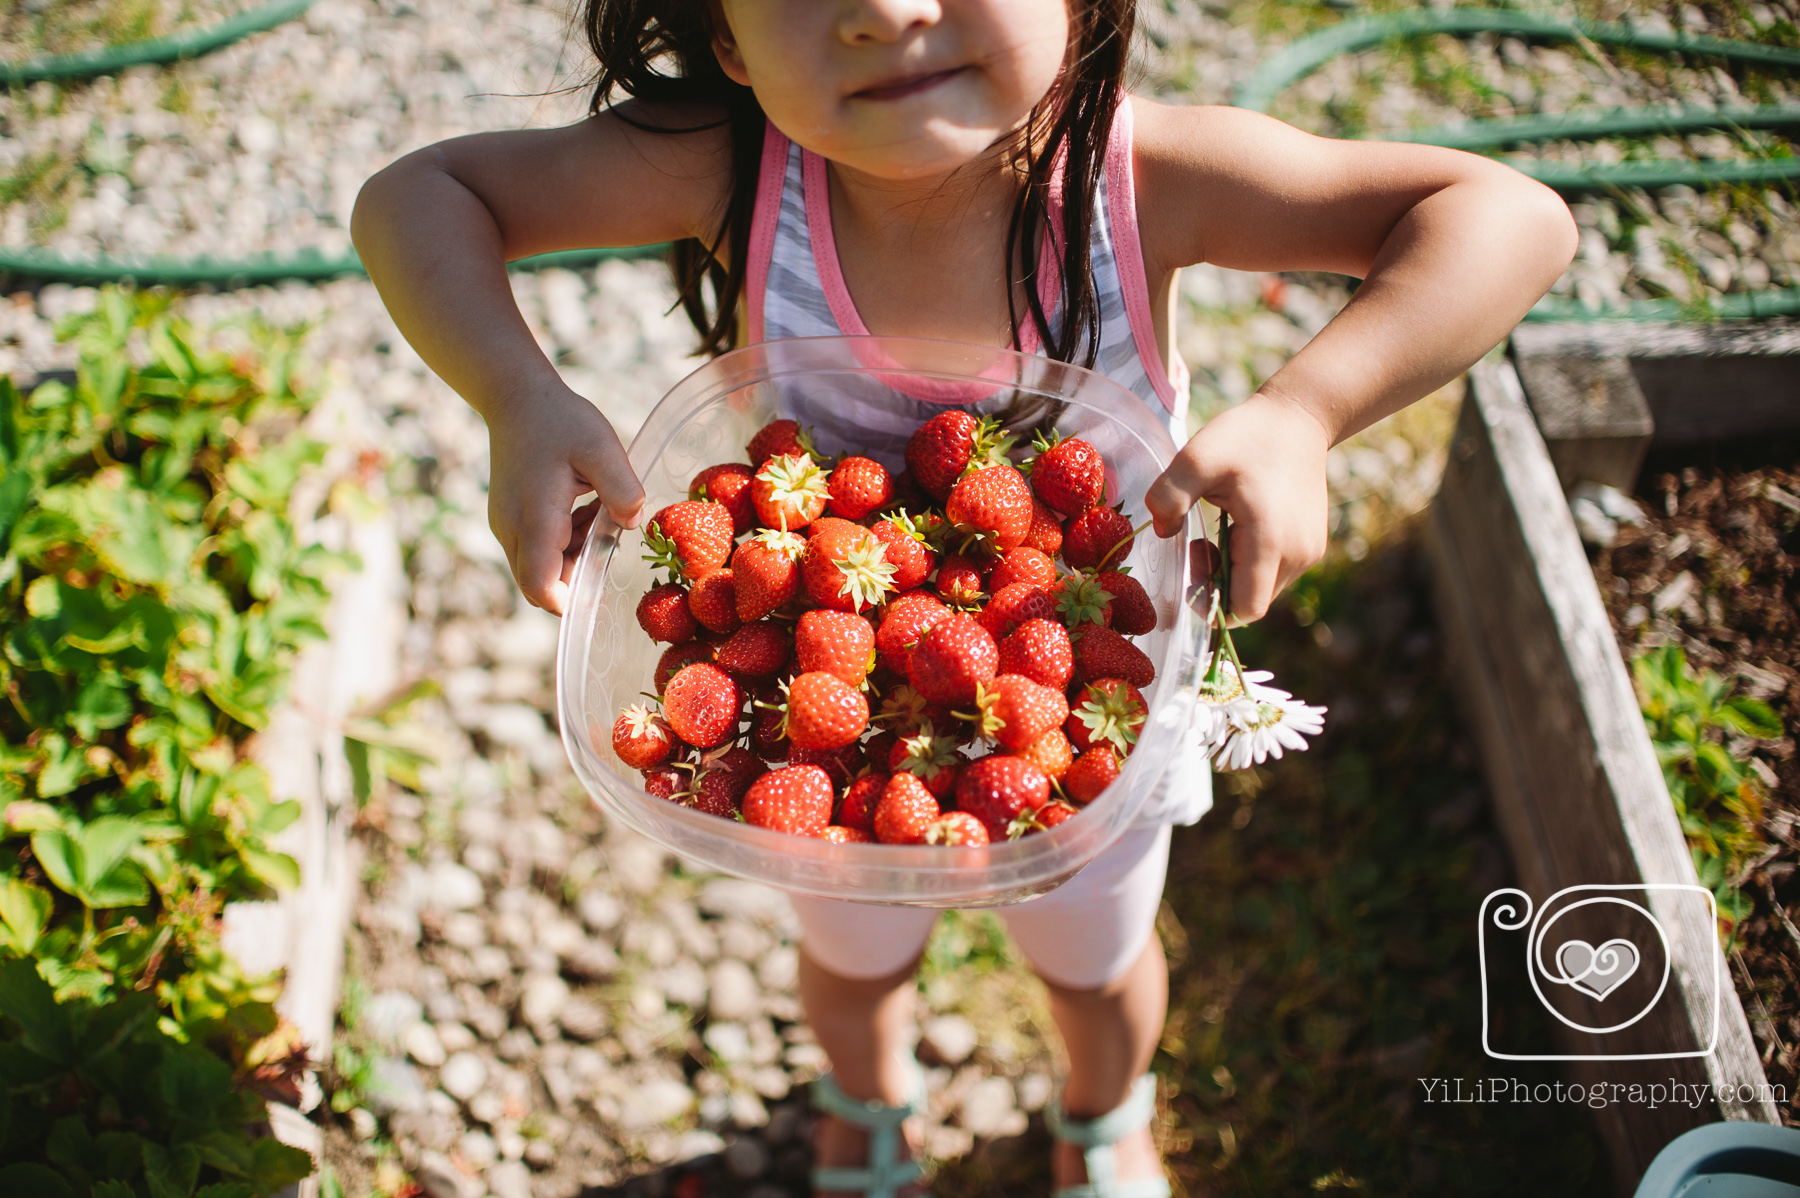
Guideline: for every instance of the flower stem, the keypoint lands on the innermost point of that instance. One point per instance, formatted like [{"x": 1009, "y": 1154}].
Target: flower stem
[{"x": 1101, "y": 564}]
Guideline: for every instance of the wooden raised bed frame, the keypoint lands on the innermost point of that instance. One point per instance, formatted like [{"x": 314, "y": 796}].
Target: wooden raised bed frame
[{"x": 1577, "y": 791}]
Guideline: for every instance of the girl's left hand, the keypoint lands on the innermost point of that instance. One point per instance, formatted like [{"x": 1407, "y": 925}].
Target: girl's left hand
[{"x": 1264, "y": 463}]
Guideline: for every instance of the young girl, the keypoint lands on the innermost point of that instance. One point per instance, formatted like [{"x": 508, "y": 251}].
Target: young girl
[{"x": 970, "y": 170}]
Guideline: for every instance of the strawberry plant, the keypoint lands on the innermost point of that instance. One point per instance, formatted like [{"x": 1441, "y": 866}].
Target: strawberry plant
[
  {"x": 152, "y": 594},
  {"x": 1691, "y": 713}
]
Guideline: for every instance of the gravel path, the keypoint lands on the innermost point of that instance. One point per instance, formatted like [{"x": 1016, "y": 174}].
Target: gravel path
[{"x": 539, "y": 1003}]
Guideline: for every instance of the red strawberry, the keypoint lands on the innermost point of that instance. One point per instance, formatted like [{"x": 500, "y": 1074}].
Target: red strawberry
[
  {"x": 729, "y": 484},
  {"x": 641, "y": 737},
  {"x": 1040, "y": 650},
  {"x": 824, "y": 712},
  {"x": 768, "y": 728},
  {"x": 1132, "y": 612},
  {"x": 690, "y": 539},
  {"x": 933, "y": 759},
  {"x": 952, "y": 658},
  {"x": 905, "y": 811},
  {"x": 858, "y": 808},
  {"x": 778, "y": 436},
  {"x": 1016, "y": 712},
  {"x": 840, "y": 835},
  {"x": 663, "y": 613},
  {"x": 1046, "y": 535},
  {"x": 957, "y": 829},
  {"x": 878, "y": 748},
  {"x": 1043, "y": 819},
  {"x": 841, "y": 765},
  {"x": 1068, "y": 475},
  {"x": 756, "y": 650},
  {"x": 713, "y": 600},
  {"x": 720, "y": 779},
  {"x": 1023, "y": 564},
  {"x": 844, "y": 567},
  {"x": 902, "y": 623},
  {"x": 1093, "y": 772},
  {"x": 1011, "y": 606},
  {"x": 665, "y": 781},
  {"x": 795, "y": 800},
  {"x": 859, "y": 486},
  {"x": 1098, "y": 537},
  {"x": 940, "y": 450},
  {"x": 789, "y": 491},
  {"x": 993, "y": 506},
  {"x": 1109, "y": 711},
  {"x": 765, "y": 572},
  {"x": 1080, "y": 599},
  {"x": 677, "y": 656},
  {"x": 996, "y": 789},
  {"x": 907, "y": 551},
  {"x": 1051, "y": 753},
  {"x": 960, "y": 580},
  {"x": 1103, "y": 653},
  {"x": 701, "y": 704},
  {"x": 835, "y": 642}
]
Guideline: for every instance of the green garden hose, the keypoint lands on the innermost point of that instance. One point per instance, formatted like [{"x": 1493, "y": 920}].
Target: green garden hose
[
  {"x": 1313, "y": 51},
  {"x": 305, "y": 266},
  {"x": 157, "y": 51}
]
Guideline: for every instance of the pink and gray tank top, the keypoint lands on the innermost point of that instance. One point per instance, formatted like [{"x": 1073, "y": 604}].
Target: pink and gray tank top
[{"x": 796, "y": 287}]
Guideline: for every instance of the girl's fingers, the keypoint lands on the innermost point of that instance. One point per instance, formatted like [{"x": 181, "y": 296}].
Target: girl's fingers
[
  {"x": 1175, "y": 491},
  {"x": 538, "y": 559},
  {"x": 602, "y": 462},
  {"x": 1256, "y": 568}
]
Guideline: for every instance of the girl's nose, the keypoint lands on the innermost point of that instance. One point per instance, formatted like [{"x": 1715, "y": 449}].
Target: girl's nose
[{"x": 886, "y": 20}]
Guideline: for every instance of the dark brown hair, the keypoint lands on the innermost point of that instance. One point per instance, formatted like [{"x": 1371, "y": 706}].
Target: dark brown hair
[{"x": 660, "y": 51}]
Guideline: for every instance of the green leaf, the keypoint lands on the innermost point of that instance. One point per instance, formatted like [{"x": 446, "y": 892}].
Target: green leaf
[
  {"x": 60, "y": 858},
  {"x": 42, "y": 598},
  {"x": 24, "y": 911},
  {"x": 194, "y": 1081},
  {"x": 105, "y": 843},
  {"x": 25, "y": 816},
  {"x": 38, "y": 1181},
  {"x": 173, "y": 1171},
  {"x": 1752, "y": 717},
  {"x": 71, "y": 1146},
  {"x": 226, "y": 1189},
  {"x": 26, "y": 999},
  {"x": 113, "y": 1189},
  {"x": 15, "y": 498},
  {"x": 279, "y": 1165},
  {"x": 277, "y": 870}
]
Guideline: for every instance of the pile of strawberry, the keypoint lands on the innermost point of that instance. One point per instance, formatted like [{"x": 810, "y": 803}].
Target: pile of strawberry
[{"x": 844, "y": 643}]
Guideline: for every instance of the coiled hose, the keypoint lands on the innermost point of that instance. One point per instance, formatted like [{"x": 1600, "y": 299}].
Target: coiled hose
[
  {"x": 1301, "y": 58},
  {"x": 1281, "y": 71}
]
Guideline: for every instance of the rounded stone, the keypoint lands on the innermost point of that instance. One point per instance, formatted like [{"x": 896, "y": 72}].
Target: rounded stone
[{"x": 463, "y": 1075}]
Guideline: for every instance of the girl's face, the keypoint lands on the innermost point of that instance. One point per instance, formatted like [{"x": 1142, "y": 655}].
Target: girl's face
[{"x": 897, "y": 89}]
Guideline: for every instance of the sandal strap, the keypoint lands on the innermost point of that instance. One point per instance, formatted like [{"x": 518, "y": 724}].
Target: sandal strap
[
  {"x": 885, "y": 1174},
  {"x": 1097, "y": 1136}
]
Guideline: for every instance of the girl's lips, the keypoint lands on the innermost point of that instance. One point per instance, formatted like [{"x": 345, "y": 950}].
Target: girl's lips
[{"x": 911, "y": 85}]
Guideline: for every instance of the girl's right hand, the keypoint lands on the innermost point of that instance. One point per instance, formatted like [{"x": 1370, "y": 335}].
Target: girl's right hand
[{"x": 548, "y": 449}]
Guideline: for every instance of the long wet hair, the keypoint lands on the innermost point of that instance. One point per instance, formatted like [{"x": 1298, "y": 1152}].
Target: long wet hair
[{"x": 661, "y": 52}]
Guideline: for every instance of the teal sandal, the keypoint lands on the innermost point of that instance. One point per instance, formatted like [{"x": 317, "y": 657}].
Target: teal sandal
[
  {"x": 1097, "y": 1137},
  {"x": 885, "y": 1173}
]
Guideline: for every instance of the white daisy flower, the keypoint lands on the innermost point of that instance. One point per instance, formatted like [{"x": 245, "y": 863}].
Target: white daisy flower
[{"x": 1264, "y": 729}]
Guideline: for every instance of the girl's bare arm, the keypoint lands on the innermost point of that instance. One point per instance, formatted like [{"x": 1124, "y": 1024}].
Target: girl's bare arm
[
  {"x": 435, "y": 231},
  {"x": 1453, "y": 249}
]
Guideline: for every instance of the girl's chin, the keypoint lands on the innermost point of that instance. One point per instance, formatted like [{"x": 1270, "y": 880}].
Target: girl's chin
[{"x": 928, "y": 153}]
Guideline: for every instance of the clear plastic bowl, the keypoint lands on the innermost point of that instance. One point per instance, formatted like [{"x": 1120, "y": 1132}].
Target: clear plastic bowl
[{"x": 866, "y": 395}]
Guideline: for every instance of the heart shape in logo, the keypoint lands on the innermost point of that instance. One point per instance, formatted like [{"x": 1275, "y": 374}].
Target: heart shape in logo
[{"x": 1597, "y": 972}]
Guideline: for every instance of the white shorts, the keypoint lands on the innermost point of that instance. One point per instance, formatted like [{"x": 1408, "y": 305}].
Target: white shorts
[{"x": 1080, "y": 936}]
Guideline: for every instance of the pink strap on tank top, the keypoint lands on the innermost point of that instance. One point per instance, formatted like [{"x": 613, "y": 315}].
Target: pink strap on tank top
[{"x": 1128, "y": 252}]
